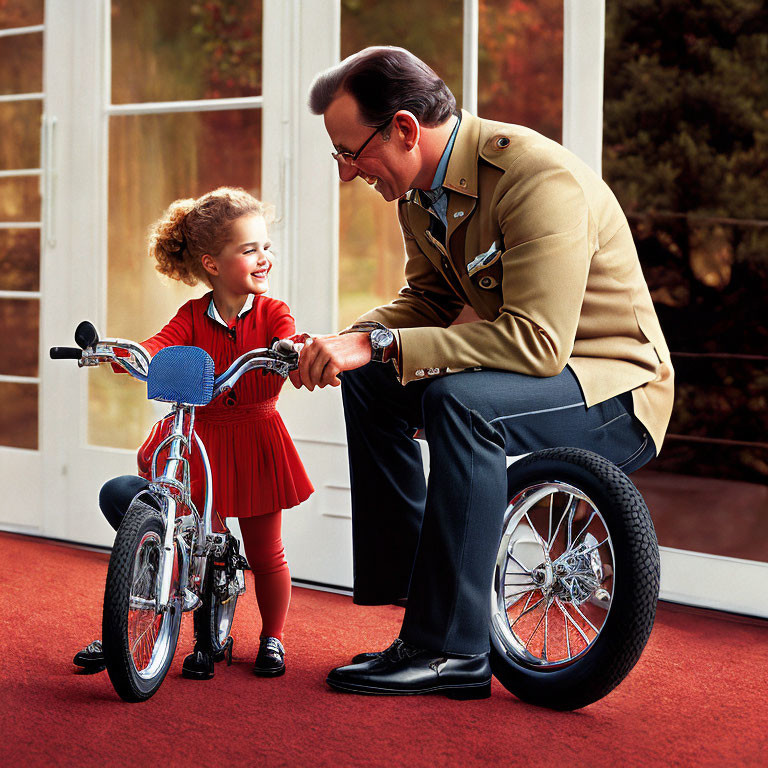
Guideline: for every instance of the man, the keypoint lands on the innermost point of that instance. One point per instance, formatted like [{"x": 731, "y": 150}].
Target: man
[{"x": 567, "y": 351}]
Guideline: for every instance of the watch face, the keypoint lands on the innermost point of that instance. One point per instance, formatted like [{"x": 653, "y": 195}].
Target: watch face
[{"x": 381, "y": 337}]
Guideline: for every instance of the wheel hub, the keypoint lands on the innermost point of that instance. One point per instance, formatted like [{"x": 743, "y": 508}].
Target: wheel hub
[{"x": 573, "y": 577}]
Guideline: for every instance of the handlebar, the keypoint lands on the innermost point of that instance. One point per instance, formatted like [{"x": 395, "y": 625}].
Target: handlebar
[
  {"x": 66, "y": 353},
  {"x": 281, "y": 357},
  {"x": 92, "y": 351}
]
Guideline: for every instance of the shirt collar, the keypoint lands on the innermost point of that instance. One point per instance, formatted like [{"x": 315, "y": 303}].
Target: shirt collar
[
  {"x": 442, "y": 166},
  {"x": 213, "y": 313}
]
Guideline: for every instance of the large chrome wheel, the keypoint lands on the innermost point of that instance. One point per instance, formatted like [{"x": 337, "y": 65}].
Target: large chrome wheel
[
  {"x": 139, "y": 639},
  {"x": 576, "y": 579},
  {"x": 555, "y": 571}
]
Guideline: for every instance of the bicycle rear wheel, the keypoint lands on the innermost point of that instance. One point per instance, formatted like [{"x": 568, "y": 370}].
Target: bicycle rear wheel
[
  {"x": 224, "y": 583},
  {"x": 139, "y": 641},
  {"x": 576, "y": 580}
]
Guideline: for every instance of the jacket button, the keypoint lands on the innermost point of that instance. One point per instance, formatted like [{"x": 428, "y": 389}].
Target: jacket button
[
  {"x": 420, "y": 372},
  {"x": 486, "y": 282},
  {"x": 433, "y": 371},
  {"x": 462, "y": 182}
]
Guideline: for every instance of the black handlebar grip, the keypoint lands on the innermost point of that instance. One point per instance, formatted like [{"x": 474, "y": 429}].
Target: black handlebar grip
[
  {"x": 66, "y": 353},
  {"x": 285, "y": 347},
  {"x": 86, "y": 335}
]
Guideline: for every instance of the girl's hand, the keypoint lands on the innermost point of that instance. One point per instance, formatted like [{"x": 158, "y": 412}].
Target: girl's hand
[{"x": 324, "y": 357}]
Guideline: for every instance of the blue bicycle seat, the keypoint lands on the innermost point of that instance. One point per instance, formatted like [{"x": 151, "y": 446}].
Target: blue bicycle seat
[{"x": 181, "y": 375}]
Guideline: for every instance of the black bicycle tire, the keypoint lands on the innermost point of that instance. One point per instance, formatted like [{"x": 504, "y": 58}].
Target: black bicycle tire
[
  {"x": 139, "y": 519},
  {"x": 205, "y": 625},
  {"x": 636, "y": 588}
]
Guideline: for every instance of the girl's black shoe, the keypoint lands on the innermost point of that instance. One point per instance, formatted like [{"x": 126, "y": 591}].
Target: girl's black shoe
[
  {"x": 270, "y": 661},
  {"x": 198, "y": 666},
  {"x": 91, "y": 658}
]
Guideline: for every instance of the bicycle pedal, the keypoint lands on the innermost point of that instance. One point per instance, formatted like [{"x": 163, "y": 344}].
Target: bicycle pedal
[
  {"x": 240, "y": 563},
  {"x": 225, "y": 652}
]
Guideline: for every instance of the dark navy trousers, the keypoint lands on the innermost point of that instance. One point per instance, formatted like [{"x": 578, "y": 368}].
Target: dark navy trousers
[{"x": 435, "y": 541}]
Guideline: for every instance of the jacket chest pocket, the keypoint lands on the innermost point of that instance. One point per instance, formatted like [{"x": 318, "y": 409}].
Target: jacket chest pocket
[{"x": 485, "y": 270}]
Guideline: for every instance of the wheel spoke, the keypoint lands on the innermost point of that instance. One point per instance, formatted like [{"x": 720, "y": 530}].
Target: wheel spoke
[
  {"x": 572, "y": 620},
  {"x": 518, "y": 576},
  {"x": 508, "y": 602},
  {"x": 517, "y": 562},
  {"x": 598, "y": 545},
  {"x": 578, "y": 610},
  {"x": 536, "y": 534},
  {"x": 549, "y": 529},
  {"x": 538, "y": 623},
  {"x": 526, "y": 611},
  {"x": 584, "y": 529},
  {"x": 567, "y": 638},
  {"x": 560, "y": 521},
  {"x": 572, "y": 507}
]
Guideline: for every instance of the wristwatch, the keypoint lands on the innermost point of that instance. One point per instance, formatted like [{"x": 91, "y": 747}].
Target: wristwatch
[{"x": 381, "y": 340}]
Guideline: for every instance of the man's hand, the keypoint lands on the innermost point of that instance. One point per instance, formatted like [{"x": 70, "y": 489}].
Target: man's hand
[{"x": 324, "y": 357}]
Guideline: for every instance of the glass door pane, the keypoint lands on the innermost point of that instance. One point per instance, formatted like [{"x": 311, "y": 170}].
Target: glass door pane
[
  {"x": 21, "y": 82},
  {"x": 164, "y": 50},
  {"x": 371, "y": 252},
  {"x": 520, "y": 72}
]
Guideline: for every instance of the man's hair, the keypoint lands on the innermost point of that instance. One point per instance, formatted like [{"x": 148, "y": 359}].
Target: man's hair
[{"x": 383, "y": 80}]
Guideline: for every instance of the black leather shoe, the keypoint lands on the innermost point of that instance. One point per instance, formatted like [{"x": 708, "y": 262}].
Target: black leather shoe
[
  {"x": 270, "y": 661},
  {"x": 198, "y": 666},
  {"x": 361, "y": 658},
  {"x": 403, "y": 670},
  {"x": 91, "y": 658}
]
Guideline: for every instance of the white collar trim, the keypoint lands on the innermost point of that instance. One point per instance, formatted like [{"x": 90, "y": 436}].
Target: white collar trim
[{"x": 213, "y": 313}]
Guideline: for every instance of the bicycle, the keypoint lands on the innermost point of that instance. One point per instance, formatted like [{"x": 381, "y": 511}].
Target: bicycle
[{"x": 166, "y": 559}]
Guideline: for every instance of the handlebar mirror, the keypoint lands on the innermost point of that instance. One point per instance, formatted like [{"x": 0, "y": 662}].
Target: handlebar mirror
[{"x": 86, "y": 335}]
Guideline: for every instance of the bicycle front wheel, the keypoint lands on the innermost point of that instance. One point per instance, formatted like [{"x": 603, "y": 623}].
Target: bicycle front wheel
[{"x": 139, "y": 640}]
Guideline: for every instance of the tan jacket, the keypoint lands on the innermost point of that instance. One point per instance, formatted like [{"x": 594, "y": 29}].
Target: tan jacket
[{"x": 557, "y": 282}]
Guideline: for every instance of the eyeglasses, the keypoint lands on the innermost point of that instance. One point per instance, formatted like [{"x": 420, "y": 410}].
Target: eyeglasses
[{"x": 349, "y": 158}]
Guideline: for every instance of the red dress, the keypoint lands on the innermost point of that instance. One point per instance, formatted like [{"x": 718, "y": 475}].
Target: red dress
[{"x": 256, "y": 469}]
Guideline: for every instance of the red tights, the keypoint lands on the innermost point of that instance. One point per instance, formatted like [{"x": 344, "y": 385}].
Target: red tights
[{"x": 264, "y": 550}]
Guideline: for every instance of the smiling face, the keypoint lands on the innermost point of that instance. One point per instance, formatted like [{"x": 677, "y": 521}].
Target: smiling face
[
  {"x": 243, "y": 264},
  {"x": 391, "y": 160}
]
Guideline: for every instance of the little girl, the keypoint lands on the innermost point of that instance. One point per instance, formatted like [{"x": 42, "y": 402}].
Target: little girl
[{"x": 221, "y": 238}]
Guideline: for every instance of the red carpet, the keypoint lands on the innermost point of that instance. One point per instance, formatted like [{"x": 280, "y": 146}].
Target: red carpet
[{"x": 698, "y": 696}]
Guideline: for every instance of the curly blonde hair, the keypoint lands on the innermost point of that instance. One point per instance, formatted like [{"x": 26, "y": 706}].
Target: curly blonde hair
[{"x": 191, "y": 228}]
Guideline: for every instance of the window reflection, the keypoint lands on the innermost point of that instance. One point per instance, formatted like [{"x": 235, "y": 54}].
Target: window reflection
[
  {"x": 21, "y": 13},
  {"x": 520, "y": 72},
  {"x": 371, "y": 253},
  {"x": 22, "y": 57},
  {"x": 19, "y": 259},
  {"x": 18, "y": 415},
  {"x": 684, "y": 152},
  {"x": 196, "y": 152},
  {"x": 20, "y": 127},
  {"x": 20, "y": 324},
  {"x": 164, "y": 50},
  {"x": 20, "y": 198}
]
